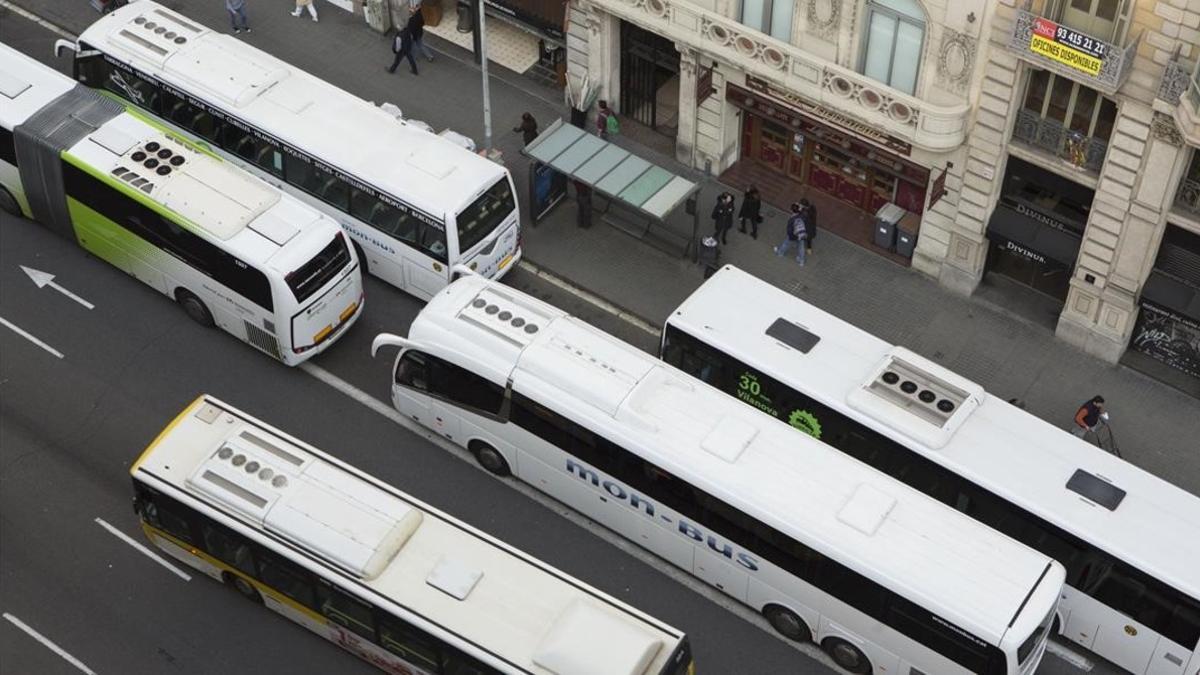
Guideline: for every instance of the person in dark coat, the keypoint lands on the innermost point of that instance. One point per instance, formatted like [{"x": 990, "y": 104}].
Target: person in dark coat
[
  {"x": 722, "y": 216},
  {"x": 527, "y": 127},
  {"x": 583, "y": 198},
  {"x": 810, "y": 222},
  {"x": 403, "y": 46},
  {"x": 749, "y": 213},
  {"x": 416, "y": 26}
]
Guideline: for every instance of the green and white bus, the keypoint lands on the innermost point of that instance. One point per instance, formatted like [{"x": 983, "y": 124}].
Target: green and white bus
[{"x": 233, "y": 251}]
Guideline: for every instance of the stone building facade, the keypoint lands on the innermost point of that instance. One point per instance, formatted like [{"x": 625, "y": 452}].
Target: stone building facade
[{"x": 1050, "y": 143}]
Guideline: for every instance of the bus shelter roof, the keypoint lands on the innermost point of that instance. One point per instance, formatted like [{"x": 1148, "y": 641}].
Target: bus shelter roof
[{"x": 611, "y": 170}]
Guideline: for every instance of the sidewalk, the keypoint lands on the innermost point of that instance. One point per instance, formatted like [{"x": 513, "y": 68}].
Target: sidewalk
[{"x": 1156, "y": 425}]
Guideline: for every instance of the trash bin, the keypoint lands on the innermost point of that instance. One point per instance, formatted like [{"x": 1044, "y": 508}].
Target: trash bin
[
  {"x": 465, "y": 16},
  {"x": 709, "y": 256},
  {"x": 885, "y": 225},
  {"x": 906, "y": 234}
]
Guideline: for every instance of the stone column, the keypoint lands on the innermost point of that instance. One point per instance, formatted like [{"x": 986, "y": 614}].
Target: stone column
[
  {"x": 685, "y": 139},
  {"x": 983, "y": 173},
  {"x": 1137, "y": 183}
]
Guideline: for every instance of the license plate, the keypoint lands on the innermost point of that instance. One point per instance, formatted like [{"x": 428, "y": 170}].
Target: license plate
[{"x": 507, "y": 259}]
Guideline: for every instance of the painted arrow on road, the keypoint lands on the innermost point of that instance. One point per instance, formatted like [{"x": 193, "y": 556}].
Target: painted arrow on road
[{"x": 44, "y": 279}]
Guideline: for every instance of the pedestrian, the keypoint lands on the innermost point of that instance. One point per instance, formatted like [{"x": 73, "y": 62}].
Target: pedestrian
[
  {"x": 583, "y": 198},
  {"x": 1088, "y": 416},
  {"x": 810, "y": 222},
  {"x": 416, "y": 27},
  {"x": 795, "y": 234},
  {"x": 749, "y": 213},
  {"x": 237, "y": 15},
  {"x": 402, "y": 46},
  {"x": 310, "y": 4},
  {"x": 527, "y": 127},
  {"x": 722, "y": 216},
  {"x": 606, "y": 121}
]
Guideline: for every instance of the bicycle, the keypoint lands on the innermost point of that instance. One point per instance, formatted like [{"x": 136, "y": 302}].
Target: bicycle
[{"x": 1102, "y": 436}]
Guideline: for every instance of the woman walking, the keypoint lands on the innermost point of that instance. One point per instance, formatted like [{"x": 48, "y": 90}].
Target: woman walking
[
  {"x": 749, "y": 213},
  {"x": 301, "y": 4}
]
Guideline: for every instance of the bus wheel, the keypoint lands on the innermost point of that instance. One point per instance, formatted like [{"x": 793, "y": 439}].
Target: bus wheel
[
  {"x": 787, "y": 623},
  {"x": 8, "y": 203},
  {"x": 846, "y": 655},
  {"x": 490, "y": 458},
  {"x": 244, "y": 588},
  {"x": 362, "y": 259},
  {"x": 194, "y": 308}
]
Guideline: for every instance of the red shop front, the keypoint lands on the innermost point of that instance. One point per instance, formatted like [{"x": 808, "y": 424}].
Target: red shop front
[{"x": 847, "y": 164}]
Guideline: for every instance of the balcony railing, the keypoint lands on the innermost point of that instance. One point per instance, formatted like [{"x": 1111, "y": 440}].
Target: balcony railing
[
  {"x": 1176, "y": 77},
  {"x": 1187, "y": 197},
  {"x": 1050, "y": 135},
  {"x": 812, "y": 79},
  {"x": 1115, "y": 65}
]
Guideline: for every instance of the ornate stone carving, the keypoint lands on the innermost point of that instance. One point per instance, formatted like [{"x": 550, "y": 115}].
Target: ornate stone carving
[
  {"x": 956, "y": 60},
  {"x": 824, "y": 17},
  {"x": 1163, "y": 128}
]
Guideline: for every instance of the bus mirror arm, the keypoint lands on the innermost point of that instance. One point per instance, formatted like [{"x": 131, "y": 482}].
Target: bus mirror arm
[
  {"x": 388, "y": 340},
  {"x": 64, "y": 45},
  {"x": 461, "y": 270}
]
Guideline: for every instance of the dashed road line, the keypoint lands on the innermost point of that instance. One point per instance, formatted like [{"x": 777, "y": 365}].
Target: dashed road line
[
  {"x": 29, "y": 336},
  {"x": 52, "y": 27},
  {"x": 147, "y": 552},
  {"x": 47, "y": 643}
]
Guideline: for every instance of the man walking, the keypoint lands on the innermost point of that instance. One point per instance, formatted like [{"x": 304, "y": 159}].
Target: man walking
[
  {"x": 301, "y": 4},
  {"x": 750, "y": 213},
  {"x": 416, "y": 28},
  {"x": 402, "y": 45},
  {"x": 796, "y": 234},
  {"x": 722, "y": 216},
  {"x": 1088, "y": 416},
  {"x": 237, "y": 15},
  {"x": 810, "y": 222},
  {"x": 527, "y": 127}
]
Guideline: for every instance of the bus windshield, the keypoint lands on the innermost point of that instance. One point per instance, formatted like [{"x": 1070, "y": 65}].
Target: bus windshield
[
  {"x": 314, "y": 274},
  {"x": 484, "y": 215}
]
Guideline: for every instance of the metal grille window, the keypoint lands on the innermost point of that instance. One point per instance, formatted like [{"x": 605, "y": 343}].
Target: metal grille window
[
  {"x": 1067, "y": 119},
  {"x": 773, "y": 17},
  {"x": 895, "y": 35}
]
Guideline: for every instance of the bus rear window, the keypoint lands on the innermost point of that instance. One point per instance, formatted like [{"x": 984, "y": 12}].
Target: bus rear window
[
  {"x": 484, "y": 215},
  {"x": 315, "y": 273}
]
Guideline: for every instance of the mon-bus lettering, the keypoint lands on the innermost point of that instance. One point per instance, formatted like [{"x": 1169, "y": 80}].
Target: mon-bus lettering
[{"x": 644, "y": 505}]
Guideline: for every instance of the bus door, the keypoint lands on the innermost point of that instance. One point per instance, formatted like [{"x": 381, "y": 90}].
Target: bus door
[
  {"x": 412, "y": 394},
  {"x": 424, "y": 255}
]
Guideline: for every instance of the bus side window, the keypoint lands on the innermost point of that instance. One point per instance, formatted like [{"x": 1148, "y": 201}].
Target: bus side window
[
  {"x": 286, "y": 577},
  {"x": 165, "y": 514},
  {"x": 90, "y": 68},
  {"x": 466, "y": 388},
  {"x": 301, "y": 174},
  {"x": 433, "y": 241},
  {"x": 226, "y": 545},
  {"x": 408, "y": 643},
  {"x": 346, "y": 610},
  {"x": 384, "y": 217},
  {"x": 333, "y": 190},
  {"x": 413, "y": 371}
]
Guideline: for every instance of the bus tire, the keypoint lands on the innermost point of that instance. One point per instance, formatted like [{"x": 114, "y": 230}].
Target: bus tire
[
  {"x": 193, "y": 307},
  {"x": 786, "y": 623},
  {"x": 362, "y": 259},
  {"x": 846, "y": 655},
  {"x": 490, "y": 458},
  {"x": 8, "y": 203},
  {"x": 244, "y": 588}
]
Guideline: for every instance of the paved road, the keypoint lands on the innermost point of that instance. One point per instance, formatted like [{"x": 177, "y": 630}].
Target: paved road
[{"x": 69, "y": 428}]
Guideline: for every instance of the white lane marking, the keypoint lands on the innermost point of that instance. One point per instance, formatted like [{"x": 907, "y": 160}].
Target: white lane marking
[
  {"x": 587, "y": 524},
  {"x": 53, "y": 28},
  {"x": 44, "y": 279},
  {"x": 47, "y": 643},
  {"x": 589, "y": 297},
  {"x": 1070, "y": 656},
  {"x": 16, "y": 329},
  {"x": 150, "y": 554}
]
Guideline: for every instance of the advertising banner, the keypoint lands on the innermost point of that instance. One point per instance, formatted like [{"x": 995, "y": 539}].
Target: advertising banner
[{"x": 1067, "y": 46}]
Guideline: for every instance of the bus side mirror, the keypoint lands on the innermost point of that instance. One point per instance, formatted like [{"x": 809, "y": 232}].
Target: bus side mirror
[
  {"x": 138, "y": 505},
  {"x": 460, "y": 270},
  {"x": 388, "y": 340},
  {"x": 64, "y": 45}
]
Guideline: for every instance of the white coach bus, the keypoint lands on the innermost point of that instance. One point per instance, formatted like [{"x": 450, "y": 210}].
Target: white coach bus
[
  {"x": 1130, "y": 542},
  {"x": 233, "y": 251},
  {"x": 415, "y": 204},
  {"x": 382, "y": 575},
  {"x": 885, "y": 579}
]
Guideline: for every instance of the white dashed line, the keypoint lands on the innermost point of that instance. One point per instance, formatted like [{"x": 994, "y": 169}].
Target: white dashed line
[
  {"x": 46, "y": 641},
  {"x": 17, "y": 329},
  {"x": 53, "y": 28},
  {"x": 147, "y": 552}
]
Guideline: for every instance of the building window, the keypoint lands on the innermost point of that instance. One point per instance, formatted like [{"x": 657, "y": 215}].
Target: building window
[
  {"x": 1067, "y": 119},
  {"x": 1187, "y": 197},
  {"x": 895, "y": 35},
  {"x": 1097, "y": 18},
  {"x": 773, "y": 17}
]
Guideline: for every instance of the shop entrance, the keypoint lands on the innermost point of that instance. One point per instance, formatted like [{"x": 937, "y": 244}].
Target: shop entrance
[
  {"x": 1037, "y": 228},
  {"x": 649, "y": 79}
]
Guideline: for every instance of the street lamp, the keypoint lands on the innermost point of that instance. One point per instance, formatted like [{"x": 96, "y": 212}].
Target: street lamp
[{"x": 483, "y": 67}]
